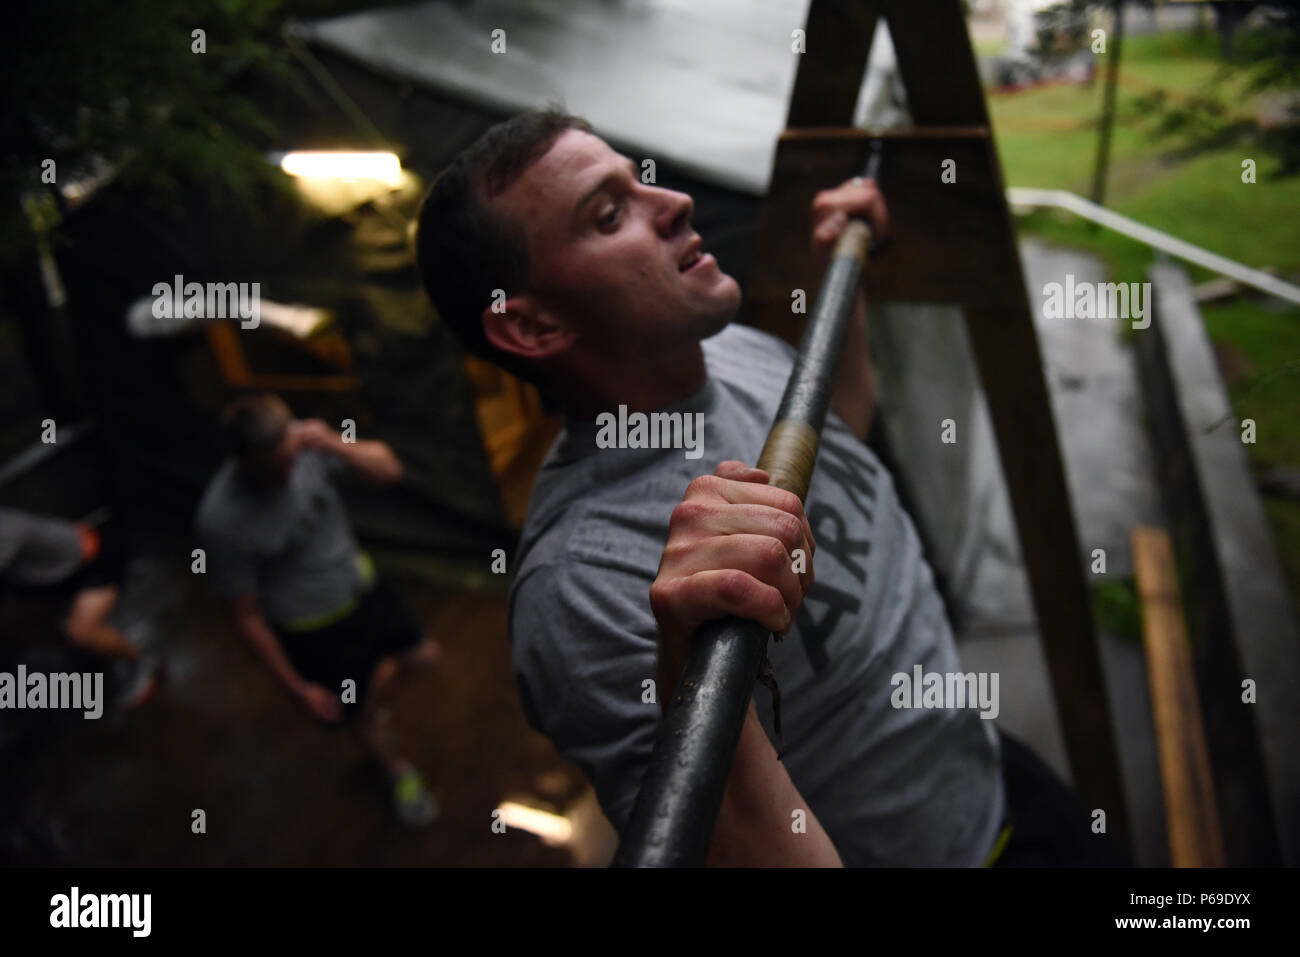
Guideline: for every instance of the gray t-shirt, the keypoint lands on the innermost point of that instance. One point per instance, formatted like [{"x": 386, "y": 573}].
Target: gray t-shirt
[
  {"x": 891, "y": 786},
  {"x": 293, "y": 546},
  {"x": 36, "y": 550}
]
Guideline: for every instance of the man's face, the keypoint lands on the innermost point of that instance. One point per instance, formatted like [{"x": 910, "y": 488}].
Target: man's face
[
  {"x": 607, "y": 252},
  {"x": 273, "y": 466}
]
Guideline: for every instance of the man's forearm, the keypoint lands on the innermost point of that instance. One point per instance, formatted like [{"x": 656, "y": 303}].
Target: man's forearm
[
  {"x": 372, "y": 460},
  {"x": 754, "y": 827},
  {"x": 854, "y": 398},
  {"x": 756, "y": 824},
  {"x": 259, "y": 634}
]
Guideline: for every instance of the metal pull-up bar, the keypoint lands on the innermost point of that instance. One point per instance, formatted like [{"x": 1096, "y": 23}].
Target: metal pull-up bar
[{"x": 672, "y": 820}]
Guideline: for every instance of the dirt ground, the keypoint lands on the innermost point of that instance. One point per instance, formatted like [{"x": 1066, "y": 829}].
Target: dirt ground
[{"x": 276, "y": 789}]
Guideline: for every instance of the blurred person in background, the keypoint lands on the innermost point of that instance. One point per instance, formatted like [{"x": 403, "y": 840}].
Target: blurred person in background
[
  {"x": 64, "y": 577},
  {"x": 301, "y": 591}
]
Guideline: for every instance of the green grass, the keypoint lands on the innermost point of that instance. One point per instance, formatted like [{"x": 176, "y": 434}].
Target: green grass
[
  {"x": 1284, "y": 517},
  {"x": 1047, "y": 138},
  {"x": 1179, "y": 62},
  {"x": 1268, "y": 388},
  {"x": 1204, "y": 201}
]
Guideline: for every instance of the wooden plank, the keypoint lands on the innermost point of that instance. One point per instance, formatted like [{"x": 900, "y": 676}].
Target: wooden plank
[
  {"x": 936, "y": 62},
  {"x": 228, "y": 353},
  {"x": 938, "y": 230},
  {"x": 829, "y": 75},
  {"x": 232, "y": 362},
  {"x": 1191, "y": 811},
  {"x": 1239, "y": 610}
]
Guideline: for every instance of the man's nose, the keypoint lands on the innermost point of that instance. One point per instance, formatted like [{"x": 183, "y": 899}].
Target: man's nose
[{"x": 674, "y": 212}]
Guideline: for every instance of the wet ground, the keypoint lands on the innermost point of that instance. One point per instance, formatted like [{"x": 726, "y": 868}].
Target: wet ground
[
  {"x": 276, "y": 789},
  {"x": 1092, "y": 377}
]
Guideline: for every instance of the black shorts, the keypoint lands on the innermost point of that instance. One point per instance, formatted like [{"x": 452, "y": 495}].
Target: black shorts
[
  {"x": 1049, "y": 825},
  {"x": 381, "y": 626}
]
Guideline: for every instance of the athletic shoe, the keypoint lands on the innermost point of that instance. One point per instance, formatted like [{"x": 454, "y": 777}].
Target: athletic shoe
[
  {"x": 143, "y": 685},
  {"x": 415, "y": 806}
]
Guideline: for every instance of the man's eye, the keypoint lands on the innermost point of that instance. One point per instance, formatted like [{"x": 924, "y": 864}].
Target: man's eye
[{"x": 610, "y": 219}]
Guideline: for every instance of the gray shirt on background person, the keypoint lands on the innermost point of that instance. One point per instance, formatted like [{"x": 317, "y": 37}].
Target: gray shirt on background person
[
  {"x": 891, "y": 786},
  {"x": 37, "y": 550},
  {"x": 292, "y": 546}
]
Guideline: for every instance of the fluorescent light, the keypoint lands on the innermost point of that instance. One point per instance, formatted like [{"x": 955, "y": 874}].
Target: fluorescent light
[
  {"x": 386, "y": 168},
  {"x": 551, "y": 828}
]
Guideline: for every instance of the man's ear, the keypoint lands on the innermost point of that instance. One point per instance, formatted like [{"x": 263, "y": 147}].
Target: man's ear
[{"x": 521, "y": 326}]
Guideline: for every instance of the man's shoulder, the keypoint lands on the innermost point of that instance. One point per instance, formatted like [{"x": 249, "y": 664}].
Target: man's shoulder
[
  {"x": 747, "y": 336},
  {"x": 601, "y": 531},
  {"x": 578, "y": 632},
  {"x": 591, "y": 549},
  {"x": 751, "y": 366},
  {"x": 738, "y": 345}
]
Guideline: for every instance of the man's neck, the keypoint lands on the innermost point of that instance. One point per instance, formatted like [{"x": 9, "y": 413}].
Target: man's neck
[{"x": 587, "y": 392}]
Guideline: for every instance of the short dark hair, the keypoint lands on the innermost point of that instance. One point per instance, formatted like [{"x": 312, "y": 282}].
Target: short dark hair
[
  {"x": 464, "y": 249},
  {"x": 254, "y": 423}
]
